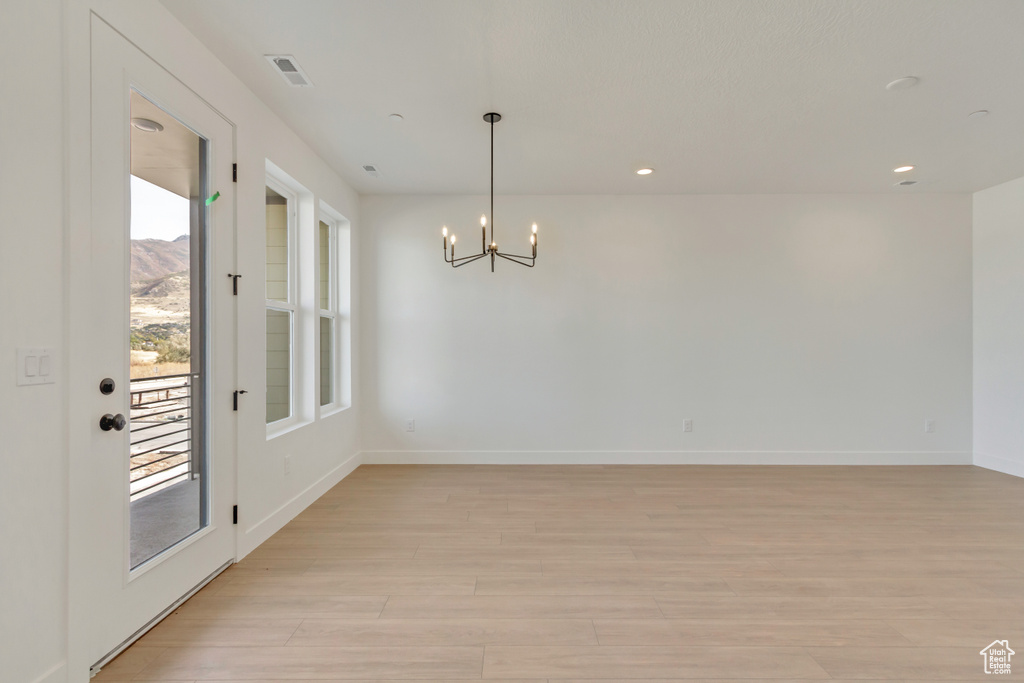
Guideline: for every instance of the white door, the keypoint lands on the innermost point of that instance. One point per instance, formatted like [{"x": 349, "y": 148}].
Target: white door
[{"x": 152, "y": 499}]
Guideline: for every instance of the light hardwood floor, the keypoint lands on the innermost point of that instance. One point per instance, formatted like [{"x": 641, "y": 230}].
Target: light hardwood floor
[{"x": 638, "y": 573}]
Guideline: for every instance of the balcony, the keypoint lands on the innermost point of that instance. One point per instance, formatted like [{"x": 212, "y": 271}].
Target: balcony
[{"x": 164, "y": 473}]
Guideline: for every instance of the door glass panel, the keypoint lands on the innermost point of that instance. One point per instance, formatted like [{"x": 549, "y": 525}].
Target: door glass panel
[{"x": 167, "y": 461}]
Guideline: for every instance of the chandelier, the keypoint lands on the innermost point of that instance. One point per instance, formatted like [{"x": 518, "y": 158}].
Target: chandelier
[{"x": 491, "y": 250}]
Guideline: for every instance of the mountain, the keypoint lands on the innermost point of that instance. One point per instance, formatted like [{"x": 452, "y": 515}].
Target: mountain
[
  {"x": 154, "y": 259},
  {"x": 174, "y": 287}
]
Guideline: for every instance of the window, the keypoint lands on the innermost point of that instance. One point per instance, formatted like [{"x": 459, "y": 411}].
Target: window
[
  {"x": 281, "y": 302},
  {"x": 334, "y": 385},
  {"x": 327, "y": 261}
]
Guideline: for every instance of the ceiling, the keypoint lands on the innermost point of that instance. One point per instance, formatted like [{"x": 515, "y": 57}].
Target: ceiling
[
  {"x": 719, "y": 96},
  {"x": 169, "y": 158}
]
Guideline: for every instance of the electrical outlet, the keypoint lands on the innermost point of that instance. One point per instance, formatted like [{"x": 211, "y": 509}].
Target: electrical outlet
[
  {"x": 687, "y": 425},
  {"x": 410, "y": 425},
  {"x": 287, "y": 464},
  {"x": 929, "y": 426}
]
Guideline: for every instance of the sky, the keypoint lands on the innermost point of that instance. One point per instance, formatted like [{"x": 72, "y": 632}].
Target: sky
[{"x": 156, "y": 213}]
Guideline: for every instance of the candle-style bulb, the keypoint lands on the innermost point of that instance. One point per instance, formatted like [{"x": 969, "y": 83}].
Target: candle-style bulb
[
  {"x": 534, "y": 228},
  {"x": 533, "y": 239},
  {"x": 453, "y": 239},
  {"x": 483, "y": 220},
  {"x": 444, "y": 231}
]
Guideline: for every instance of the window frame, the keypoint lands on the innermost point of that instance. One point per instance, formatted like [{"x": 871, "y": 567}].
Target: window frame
[
  {"x": 291, "y": 306},
  {"x": 331, "y": 312},
  {"x": 339, "y": 302}
]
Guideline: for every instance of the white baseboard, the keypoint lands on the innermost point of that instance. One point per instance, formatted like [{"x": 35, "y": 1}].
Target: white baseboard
[
  {"x": 57, "y": 674},
  {"x": 259, "y": 532},
  {"x": 666, "y": 458},
  {"x": 992, "y": 462}
]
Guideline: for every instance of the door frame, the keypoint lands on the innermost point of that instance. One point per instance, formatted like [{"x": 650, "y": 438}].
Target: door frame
[{"x": 82, "y": 557}]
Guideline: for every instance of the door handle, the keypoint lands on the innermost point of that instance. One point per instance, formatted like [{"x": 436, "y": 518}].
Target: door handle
[{"x": 108, "y": 422}]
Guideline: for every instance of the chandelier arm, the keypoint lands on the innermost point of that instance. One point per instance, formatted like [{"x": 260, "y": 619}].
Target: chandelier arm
[
  {"x": 528, "y": 258},
  {"x": 482, "y": 253},
  {"x": 463, "y": 258},
  {"x": 466, "y": 259},
  {"x": 513, "y": 260}
]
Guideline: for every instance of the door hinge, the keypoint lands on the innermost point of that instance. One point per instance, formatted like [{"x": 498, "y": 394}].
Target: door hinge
[
  {"x": 234, "y": 173},
  {"x": 234, "y": 515},
  {"x": 234, "y": 283},
  {"x": 234, "y": 400}
]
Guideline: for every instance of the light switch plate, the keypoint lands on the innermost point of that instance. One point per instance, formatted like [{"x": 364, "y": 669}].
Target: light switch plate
[{"x": 36, "y": 366}]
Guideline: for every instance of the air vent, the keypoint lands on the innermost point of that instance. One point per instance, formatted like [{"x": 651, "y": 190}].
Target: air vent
[
  {"x": 906, "y": 183},
  {"x": 372, "y": 171},
  {"x": 290, "y": 70}
]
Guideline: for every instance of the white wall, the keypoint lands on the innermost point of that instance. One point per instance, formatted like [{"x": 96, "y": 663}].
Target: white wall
[
  {"x": 33, "y": 486},
  {"x": 819, "y": 324},
  {"x": 999, "y": 328},
  {"x": 44, "y": 134},
  {"x": 814, "y": 328}
]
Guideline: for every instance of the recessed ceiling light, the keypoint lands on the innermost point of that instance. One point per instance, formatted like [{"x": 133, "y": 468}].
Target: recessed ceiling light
[
  {"x": 980, "y": 114},
  {"x": 147, "y": 125},
  {"x": 395, "y": 117},
  {"x": 902, "y": 169},
  {"x": 645, "y": 171},
  {"x": 903, "y": 83}
]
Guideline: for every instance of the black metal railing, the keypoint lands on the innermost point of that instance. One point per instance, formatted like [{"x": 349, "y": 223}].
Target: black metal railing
[{"x": 161, "y": 452}]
